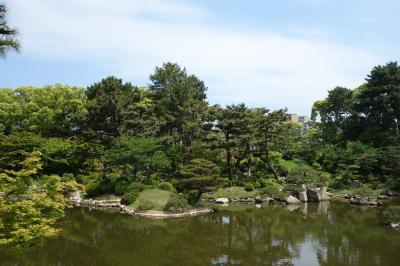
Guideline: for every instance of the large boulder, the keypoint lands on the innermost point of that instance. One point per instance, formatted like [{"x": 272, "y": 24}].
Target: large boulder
[
  {"x": 75, "y": 197},
  {"x": 317, "y": 194},
  {"x": 222, "y": 200},
  {"x": 303, "y": 196},
  {"x": 292, "y": 200}
]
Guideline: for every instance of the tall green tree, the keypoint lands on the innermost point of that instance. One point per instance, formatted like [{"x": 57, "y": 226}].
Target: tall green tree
[
  {"x": 107, "y": 101},
  {"x": 270, "y": 128},
  {"x": 229, "y": 124},
  {"x": 8, "y": 34},
  {"x": 333, "y": 113},
  {"x": 50, "y": 111},
  {"x": 180, "y": 101},
  {"x": 139, "y": 117},
  {"x": 378, "y": 104},
  {"x": 138, "y": 157},
  {"x": 199, "y": 174}
]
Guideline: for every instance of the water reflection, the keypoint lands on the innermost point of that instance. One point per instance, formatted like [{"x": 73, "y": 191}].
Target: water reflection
[{"x": 307, "y": 234}]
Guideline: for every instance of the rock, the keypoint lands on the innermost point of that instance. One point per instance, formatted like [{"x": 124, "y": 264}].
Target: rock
[
  {"x": 356, "y": 183},
  {"x": 395, "y": 226},
  {"x": 292, "y": 200},
  {"x": 268, "y": 199},
  {"x": 364, "y": 201},
  {"x": 383, "y": 197},
  {"x": 317, "y": 194},
  {"x": 75, "y": 197},
  {"x": 259, "y": 200},
  {"x": 222, "y": 200},
  {"x": 303, "y": 196},
  {"x": 391, "y": 193}
]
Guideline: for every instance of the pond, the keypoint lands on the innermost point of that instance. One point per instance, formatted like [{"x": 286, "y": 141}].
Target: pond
[{"x": 333, "y": 233}]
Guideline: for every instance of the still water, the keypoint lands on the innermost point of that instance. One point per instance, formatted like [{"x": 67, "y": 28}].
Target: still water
[{"x": 332, "y": 233}]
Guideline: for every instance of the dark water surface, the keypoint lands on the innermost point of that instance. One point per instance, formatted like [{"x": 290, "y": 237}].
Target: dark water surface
[{"x": 315, "y": 234}]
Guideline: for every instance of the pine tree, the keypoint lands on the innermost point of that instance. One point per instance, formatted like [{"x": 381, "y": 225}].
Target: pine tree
[{"x": 7, "y": 34}]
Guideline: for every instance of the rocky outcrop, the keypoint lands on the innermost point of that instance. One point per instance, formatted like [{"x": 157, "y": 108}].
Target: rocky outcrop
[
  {"x": 292, "y": 200},
  {"x": 75, "y": 198},
  {"x": 395, "y": 226},
  {"x": 364, "y": 201},
  {"x": 390, "y": 193},
  {"x": 317, "y": 194},
  {"x": 160, "y": 214}
]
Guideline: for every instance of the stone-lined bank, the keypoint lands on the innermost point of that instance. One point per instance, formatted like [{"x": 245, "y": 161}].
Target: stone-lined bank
[{"x": 77, "y": 200}]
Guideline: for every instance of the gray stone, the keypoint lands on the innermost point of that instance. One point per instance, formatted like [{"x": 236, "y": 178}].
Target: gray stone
[
  {"x": 364, "y": 201},
  {"x": 303, "y": 196},
  {"x": 222, "y": 200},
  {"x": 317, "y": 194},
  {"x": 292, "y": 200}
]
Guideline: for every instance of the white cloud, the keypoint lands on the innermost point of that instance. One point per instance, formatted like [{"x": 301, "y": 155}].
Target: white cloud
[{"x": 130, "y": 38}]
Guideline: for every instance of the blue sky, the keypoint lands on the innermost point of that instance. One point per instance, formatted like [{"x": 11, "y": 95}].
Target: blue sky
[{"x": 277, "y": 53}]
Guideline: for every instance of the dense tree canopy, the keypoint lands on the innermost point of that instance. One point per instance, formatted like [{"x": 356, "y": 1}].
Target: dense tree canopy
[{"x": 121, "y": 139}]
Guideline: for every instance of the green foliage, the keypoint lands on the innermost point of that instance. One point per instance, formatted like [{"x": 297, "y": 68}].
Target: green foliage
[
  {"x": 392, "y": 214},
  {"x": 129, "y": 197},
  {"x": 180, "y": 102},
  {"x": 176, "y": 203},
  {"x": 137, "y": 156},
  {"x": 249, "y": 187},
  {"x": 51, "y": 111},
  {"x": 230, "y": 193},
  {"x": 152, "y": 199},
  {"x": 107, "y": 101},
  {"x": 365, "y": 191},
  {"x": 29, "y": 207},
  {"x": 303, "y": 174},
  {"x": 8, "y": 39},
  {"x": 199, "y": 174},
  {"x": 167, "y": 186}
]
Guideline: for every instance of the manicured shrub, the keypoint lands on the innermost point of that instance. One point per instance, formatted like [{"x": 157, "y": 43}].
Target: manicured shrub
[
  {"x": 191, "y": 196},
  {"x": 176, "y": 203},
  {"x": 129, "y": 197},
  {"x": 365, "y": 191},
  {"x": 249, "y": 187},
  {"x": 136, "y": 186},
  {"x": 392, "y": 214},
  {"x": 121, "y": 187},
  {"x": 145, "y": 205},
  {"x": 316, "y": 166},
  {"x": 303, "y": 174},
  {"x": 167, "y": 186},
  {"x": 93, "y": 188},
  {"x": 272, "y": 189},
  {"x": 293, "y": 188}
]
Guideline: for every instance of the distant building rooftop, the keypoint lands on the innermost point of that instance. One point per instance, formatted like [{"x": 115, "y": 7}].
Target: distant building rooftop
[{"x": 299, "y": 118}]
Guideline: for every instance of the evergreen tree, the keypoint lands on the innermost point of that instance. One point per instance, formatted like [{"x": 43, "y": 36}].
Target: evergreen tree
[
  {"x": 180, "y": 101},
  {"x": 7, "y": 34},
  {"x": 199, "y": 174},
  {"x": 107, "y": 101}
]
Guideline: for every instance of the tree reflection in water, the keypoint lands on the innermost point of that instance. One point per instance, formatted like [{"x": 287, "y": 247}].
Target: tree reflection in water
[{"x": 309, "y": 234}]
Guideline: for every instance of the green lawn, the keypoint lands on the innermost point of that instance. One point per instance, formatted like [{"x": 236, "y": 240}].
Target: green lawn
[
  {"x": 152, "y": 199},
  {"x": 230, "y": 193}
]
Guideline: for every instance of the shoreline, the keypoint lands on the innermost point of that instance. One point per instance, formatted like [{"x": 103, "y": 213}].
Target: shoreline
[{"x": 77, "y": 201}]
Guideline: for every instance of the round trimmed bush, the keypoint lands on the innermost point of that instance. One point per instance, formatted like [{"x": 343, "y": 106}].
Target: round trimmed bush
[
  {"x": 176, "y": 203},
  {"x": 249, "y": 187},
  {"x": 129, "y": 197},
  {"x": 167, "y": 186}
]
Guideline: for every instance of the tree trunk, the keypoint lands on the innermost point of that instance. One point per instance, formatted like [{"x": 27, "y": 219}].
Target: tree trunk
[{"x": 269, "y": 163}]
